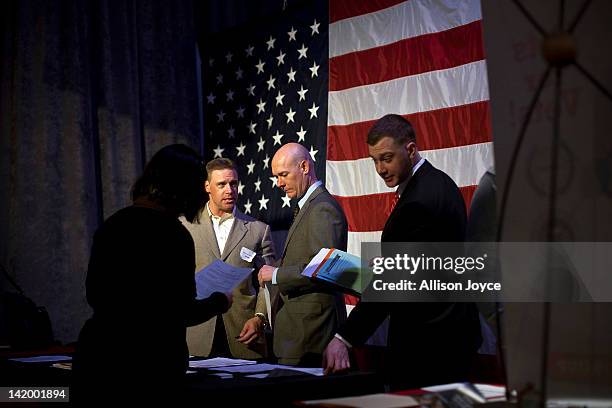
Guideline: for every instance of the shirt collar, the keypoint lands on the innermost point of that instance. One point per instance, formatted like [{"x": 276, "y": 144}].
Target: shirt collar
[
  {"x": 224, "y": 217},
  {"x": 310, "y": 190},
  {"x": 402, "y": 186}
]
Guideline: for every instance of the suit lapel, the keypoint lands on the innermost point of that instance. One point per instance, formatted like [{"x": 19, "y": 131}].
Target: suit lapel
[
  {"x": 299, "y": 217},
  {"x": 208, "y": 233},
  {"x": 408, "y": 191},
  {"x": 237, "y": 232}
]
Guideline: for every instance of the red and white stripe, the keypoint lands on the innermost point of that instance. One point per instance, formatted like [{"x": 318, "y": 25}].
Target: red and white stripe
[{"x": 422, "y": 59}]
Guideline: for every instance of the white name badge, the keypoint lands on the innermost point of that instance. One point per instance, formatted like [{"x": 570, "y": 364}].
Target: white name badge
[{"x": 246, "y": 254}]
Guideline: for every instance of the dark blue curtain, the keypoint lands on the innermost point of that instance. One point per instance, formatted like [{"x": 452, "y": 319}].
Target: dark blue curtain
[{"x": 90, "y": 90}]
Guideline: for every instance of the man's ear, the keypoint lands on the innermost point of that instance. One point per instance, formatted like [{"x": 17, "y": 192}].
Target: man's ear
[
  {"x": 207, "y": 186},
  {"x": 411, "y": 148},
  {"x": 305, "y": 166}
]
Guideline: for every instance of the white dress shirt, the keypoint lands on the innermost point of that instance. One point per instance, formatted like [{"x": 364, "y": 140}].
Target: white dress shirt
[
  {"x": 301, "y": 203},
  {"x": 222, "y": 226}
]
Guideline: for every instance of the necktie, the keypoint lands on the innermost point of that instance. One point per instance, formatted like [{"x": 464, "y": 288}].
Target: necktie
[
  {"x": 296, "y": 210},
  {"x": 393, "y": 202}
]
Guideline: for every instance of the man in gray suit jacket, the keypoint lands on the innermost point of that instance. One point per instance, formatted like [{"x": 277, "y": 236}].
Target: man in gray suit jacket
[
  {"x": 222, "y": 232},
  {"x": 311, "y": 312}
]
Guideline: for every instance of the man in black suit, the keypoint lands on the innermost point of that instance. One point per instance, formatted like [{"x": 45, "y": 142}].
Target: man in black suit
[{"x": 428, "y": 343}]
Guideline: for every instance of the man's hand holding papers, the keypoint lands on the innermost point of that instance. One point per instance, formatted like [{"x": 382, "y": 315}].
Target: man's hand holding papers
[
  {"x": 338, "y": 268},
  {"x": 265, "y": 274}
]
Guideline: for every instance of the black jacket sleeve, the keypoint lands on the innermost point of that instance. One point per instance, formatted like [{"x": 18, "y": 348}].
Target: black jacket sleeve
[{"x": 204, "y": 309}]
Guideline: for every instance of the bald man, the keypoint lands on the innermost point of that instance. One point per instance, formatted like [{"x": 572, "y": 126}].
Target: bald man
[{"x": 310, "y": 313}]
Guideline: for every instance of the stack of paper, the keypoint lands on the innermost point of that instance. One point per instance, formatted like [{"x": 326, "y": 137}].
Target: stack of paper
[
  {"x": 219, "y": 362},
  {"x": 367, "y": 401},
  {"x": 338, "y": 268},
  {"x": 41, "y": 359},
  {"x": 265, "y": 368}
]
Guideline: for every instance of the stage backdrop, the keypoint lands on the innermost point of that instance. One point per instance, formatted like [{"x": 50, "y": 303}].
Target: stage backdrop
[{"x": 320, "y": 73}]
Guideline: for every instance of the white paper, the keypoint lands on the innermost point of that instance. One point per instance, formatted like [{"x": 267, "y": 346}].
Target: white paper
[
  {"x": 315, "y": 262},
  {"x": 258, "y": 376},
  {"x": 268, "y": 304},
  {"x": 369, "y": 401},
  {"x": 308, "y": 370},
  {"x": 264, "y": 367},
  {"x": 219, "y": 277},
  {"x": 251, "y": 368},
  {"x": 219, "y": 362},
  {"x": 461, "y": 387},
  {"x": 443, "y": 387},
  {"x": 336, "y": 267},
  {"x": 223, "y": 376},
  {"x": 491, "y": 391},
  {"x": 42, "y": 359}
]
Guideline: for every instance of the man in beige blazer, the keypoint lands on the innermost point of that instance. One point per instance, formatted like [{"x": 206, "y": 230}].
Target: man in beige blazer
[
  {"x": 311, "y": 312},
  {"x": 223, "y": 232}
]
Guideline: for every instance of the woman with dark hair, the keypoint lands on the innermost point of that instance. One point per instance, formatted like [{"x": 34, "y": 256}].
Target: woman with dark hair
[{"x": 141, "y": 287}]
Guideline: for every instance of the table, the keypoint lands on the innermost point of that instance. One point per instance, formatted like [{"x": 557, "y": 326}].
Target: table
[{"x": 281, "y": 390}]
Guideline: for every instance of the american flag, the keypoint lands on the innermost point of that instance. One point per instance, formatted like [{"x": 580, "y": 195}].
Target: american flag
[{"x": 268, "y": 85}]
